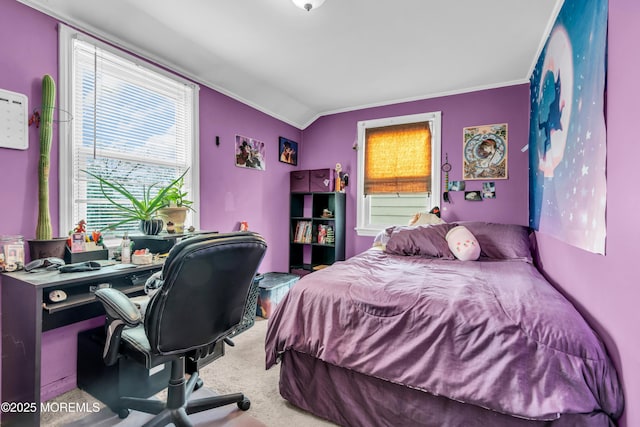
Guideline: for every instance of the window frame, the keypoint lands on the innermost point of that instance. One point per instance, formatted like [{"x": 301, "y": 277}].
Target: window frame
[
  {"x": 363, "y": 225},
  {"x": 66, "y": 35}
]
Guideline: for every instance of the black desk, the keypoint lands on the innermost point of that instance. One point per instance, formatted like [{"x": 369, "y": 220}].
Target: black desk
[{"x": 27, "y": 312}]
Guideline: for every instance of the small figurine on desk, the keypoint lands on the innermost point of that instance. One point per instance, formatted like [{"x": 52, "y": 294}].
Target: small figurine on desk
[
  {"x": 96, "y": 237},
  {"x": 77, "y": 234},
  {"x": 81, "y": 227}
]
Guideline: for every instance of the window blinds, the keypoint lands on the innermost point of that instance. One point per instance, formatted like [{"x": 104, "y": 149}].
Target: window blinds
[
  {"x": 130, "y": 124},
  {"x": 398, "y": 159}
]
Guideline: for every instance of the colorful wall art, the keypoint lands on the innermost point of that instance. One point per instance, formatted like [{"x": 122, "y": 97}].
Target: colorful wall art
[
  {"x": 485, "y": 152},
  {"x": 567, "y": 135},
  {"x": 250, "y": 153}
]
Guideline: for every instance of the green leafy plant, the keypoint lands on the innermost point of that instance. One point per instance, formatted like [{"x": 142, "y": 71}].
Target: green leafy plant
[
  {"x": 142, "y": 209},
  {"x": 176, "y": 197}
]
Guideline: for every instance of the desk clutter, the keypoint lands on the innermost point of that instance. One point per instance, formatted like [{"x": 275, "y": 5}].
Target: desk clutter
[
  {"x": 11, "y": 253},
  {"x": 82, "y": 248}
]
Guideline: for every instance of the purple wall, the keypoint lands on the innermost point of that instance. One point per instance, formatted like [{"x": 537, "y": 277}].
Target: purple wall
[
  {"x": 229, "y": 194},
  {"x": 601, "y": 286},
  {"x": 330, "y": 139},
  {"x": 605, "y": 288},
  {"x": 29, "y": 49}
]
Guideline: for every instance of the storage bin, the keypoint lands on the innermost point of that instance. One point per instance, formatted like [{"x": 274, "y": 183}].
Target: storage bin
[
  {"x": 300, "y": 271},
  {"x": 299, "y": 181},
  {"x": 273, "y": 288},
  {"x": 320, "y": 180}
]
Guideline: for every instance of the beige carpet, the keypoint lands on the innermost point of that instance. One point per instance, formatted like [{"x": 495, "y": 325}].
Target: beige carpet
[{"x": 240, "y": 370}]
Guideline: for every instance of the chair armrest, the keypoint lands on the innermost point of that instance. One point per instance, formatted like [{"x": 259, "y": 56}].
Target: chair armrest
[
  {"x": 121, "y": 312},
  {"x": 119, "y": 306}
]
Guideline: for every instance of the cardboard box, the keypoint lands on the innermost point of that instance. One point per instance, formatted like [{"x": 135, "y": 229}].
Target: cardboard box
[{"x": 273, "y": 287}]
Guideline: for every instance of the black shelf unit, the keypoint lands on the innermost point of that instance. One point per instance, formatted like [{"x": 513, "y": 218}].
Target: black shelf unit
[{"x": 307, "y": 208}]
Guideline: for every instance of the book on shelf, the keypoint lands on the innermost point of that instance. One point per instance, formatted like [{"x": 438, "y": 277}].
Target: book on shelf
[
  {"x": 303, "y": 232},
  {"x": 326, "y": 235}
]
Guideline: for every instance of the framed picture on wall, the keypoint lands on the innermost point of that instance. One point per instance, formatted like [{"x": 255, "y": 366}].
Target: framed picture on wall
[
  {"x": 485, "y": 152},
  {"x": 250, "y": 153},
  {"x": 288, "y": 151}
]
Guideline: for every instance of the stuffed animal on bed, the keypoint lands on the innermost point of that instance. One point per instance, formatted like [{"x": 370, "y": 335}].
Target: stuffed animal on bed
[
  {"x": 463, "y": 244},
  {"x": 427, "y": 218}
]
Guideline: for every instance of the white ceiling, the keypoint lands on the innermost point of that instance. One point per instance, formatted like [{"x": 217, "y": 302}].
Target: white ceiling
[{"x": 348, "y": 54}]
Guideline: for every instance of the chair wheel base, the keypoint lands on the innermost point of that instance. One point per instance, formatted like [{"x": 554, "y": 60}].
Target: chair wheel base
[
  {"x": 123, "y": 413},
  {"x": 244, "y": 404},
  {"x": 198, "y": 385}
]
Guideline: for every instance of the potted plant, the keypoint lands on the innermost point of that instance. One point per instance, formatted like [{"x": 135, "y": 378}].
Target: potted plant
[
  {"x": 144, "y": 210},
  {"x": 175, "y": 206},
  {"x": 44, "y": 245}
]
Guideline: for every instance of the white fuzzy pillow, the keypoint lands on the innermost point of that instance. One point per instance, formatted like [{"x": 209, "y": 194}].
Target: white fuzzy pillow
[
  {"x": 425, "y": 218},
  {"x": 463, "y": 244}
]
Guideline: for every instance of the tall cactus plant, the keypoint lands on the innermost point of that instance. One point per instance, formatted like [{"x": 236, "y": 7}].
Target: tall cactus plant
[{"x": 43, "y": 229}]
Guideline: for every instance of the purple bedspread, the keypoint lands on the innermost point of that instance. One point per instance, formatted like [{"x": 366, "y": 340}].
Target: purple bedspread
[{"x": 492, "y": 333}]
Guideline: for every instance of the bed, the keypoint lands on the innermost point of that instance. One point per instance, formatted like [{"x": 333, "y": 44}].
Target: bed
[{"x": 409, "y": 335}]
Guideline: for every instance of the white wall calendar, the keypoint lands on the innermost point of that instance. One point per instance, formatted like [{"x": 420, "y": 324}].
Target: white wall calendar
[{"x": 13, "y": 120}]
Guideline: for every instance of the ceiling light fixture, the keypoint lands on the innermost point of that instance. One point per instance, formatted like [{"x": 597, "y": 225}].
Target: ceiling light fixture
[{"x": 308, "y": 4}]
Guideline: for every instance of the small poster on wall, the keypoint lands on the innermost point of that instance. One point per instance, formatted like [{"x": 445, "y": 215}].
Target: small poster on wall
[
  {"x": 485, "y": 152},
  {"x": 250, "y": 153},
  {"x": 288, "y": 151}
]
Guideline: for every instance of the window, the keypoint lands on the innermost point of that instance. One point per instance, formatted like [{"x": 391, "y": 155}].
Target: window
[
  {"x": 125, "y": 120},
  {"x": 398, "y": 170}
]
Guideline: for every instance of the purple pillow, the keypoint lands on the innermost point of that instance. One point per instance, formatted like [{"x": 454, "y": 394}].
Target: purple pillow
[
  {"x": 428, "y": 241},
  {"x": 501, "y": 241}
]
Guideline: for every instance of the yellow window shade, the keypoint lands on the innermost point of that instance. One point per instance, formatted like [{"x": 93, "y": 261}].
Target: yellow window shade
[{"x": 398, "y": 159}]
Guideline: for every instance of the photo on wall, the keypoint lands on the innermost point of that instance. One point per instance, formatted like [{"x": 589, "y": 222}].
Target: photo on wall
[
  {"x": 456, "y": 186},
  {"x": 473, "y": 196},
  {"x": 288, "y": 151},
  {"x": 488, "y": 190},
  {"x": 250, "y": 153}
]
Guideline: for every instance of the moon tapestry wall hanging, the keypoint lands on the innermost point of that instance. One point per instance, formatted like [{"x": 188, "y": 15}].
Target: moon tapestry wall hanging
[{"x": 567, "y": 132}]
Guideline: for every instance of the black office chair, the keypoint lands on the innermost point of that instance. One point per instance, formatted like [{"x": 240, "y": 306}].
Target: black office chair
[{"x": 201, "y": 302}]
